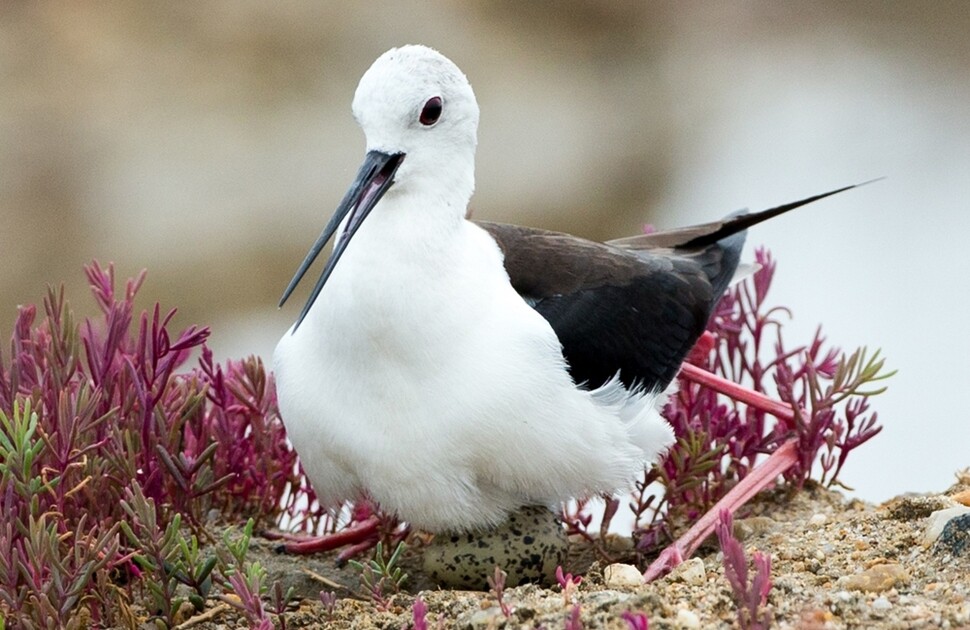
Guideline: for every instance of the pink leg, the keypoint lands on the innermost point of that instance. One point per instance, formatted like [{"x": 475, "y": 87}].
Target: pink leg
[
  {"x": 737, "y": 392},
  {"x": 357, "y": 534},
  {"x": 758, "y": 479},
  {"x": 273, "y": 535},
  {"x": 355, "y": 550}
]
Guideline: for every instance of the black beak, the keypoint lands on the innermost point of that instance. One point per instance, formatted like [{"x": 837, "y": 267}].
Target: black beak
[{"x": 373, "y": 179}]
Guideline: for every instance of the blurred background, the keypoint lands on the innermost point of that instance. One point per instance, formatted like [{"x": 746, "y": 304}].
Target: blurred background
[{"x": 210, "y": 141}]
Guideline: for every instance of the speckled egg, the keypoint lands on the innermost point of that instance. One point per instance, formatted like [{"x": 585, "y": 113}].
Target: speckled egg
[{"x": 528, "y": 547}]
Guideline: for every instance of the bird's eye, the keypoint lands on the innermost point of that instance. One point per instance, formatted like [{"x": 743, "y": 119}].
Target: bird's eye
[{"x": 431, "y": 111}]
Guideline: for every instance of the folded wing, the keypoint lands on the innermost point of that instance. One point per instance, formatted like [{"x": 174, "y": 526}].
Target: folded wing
[{"x": 635, "y": 305}]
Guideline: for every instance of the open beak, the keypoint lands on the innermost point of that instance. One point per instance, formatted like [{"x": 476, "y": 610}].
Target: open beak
[{"x": 373, "y": 179}]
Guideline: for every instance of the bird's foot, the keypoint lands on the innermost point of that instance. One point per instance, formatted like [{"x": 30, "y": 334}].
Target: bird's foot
[
  {"x": 367, "y": 527},
  {"x": 363, "y": 534},
  {"x": 756, "y": 481}
]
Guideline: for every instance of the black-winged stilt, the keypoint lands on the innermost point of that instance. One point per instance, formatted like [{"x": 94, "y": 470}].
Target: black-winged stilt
[{"x": 456, "y": 371}]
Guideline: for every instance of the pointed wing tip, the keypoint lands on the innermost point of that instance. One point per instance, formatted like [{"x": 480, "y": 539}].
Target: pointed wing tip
[
  {"x": 871, "y": 181},
  {"x": 808, "y": 200},
  {"x": 859, "y": 185}
]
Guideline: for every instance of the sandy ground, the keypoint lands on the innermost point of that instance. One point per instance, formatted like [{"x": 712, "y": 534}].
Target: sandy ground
[{"x": 836, "y": 563}]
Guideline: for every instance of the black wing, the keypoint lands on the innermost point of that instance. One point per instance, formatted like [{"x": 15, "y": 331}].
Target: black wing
[
  {"x": 616, "y": 310},
  {"x": 635, "y": 305}
]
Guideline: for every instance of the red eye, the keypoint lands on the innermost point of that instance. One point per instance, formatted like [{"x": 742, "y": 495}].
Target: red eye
[{"x": 431, "y": 111}]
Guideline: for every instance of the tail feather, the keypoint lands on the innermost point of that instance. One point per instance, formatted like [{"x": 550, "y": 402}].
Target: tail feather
[{"x": 720, "y": 260}]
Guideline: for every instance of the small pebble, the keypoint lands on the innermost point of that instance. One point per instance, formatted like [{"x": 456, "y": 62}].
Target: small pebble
[
  {"x": 690, "y": 572},
  {"x": 955, "y": 537},
  {"x": 938, "y": 520},
  {"x": 687, "y": 619},
  {"x": 485, "y": 618},
  {"x": 816, "y": 618},
  {"x": 748, "y": 527},
  {"x": 910, "y": 508},
  {"x": 603, "y": 600},
  {"x": 963, "y": 498},
  {"x": 882, "y": 604},
  {"x": 817, "y": 519},
  {"x": 617, "y": 575},
  {"x": 184, "y": 612},
  {"x": 879, "y": 578}
]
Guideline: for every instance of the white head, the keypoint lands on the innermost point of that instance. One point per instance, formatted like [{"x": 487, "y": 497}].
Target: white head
[
  {"x": 420, "y": 118},
  {"x": 396, "y": 105}
]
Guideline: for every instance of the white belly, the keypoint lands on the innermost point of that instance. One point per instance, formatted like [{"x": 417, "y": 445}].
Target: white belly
[{"x": 422, "y": 379}]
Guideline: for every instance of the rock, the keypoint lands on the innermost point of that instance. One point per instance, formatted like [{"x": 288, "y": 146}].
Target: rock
[
  {"x": 622, "y": 575},
  {"x": 882, "y": 604},
  {"x": 963, "y": 498},
  {"x": 939, "y": 519},
  {"x": 748, "y": 527},
  {"x": 811, "y": 619},
  {"x": 528, "y": 547},
  {"x": 687, "y": 619},
  {"x": 185, "y": 611},
  {"x": 910, "y": 508},
  {"x": 691, "y": 572},
  {"x": 955, "y": 538},
  {"x": 879, "y": 578},
  {"x": 485, "y": 618},
  {"x": 603, "y": 600},
  {"x": 817, "y": 519}
]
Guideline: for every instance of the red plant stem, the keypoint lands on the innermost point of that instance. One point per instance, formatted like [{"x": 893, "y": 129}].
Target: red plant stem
[
  {"x": 737, "y": 392},
  {"x": 758, "y": 479},
  {"x": 362, "y": 531}
]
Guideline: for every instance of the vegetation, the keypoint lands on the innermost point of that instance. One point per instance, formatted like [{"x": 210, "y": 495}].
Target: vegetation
[{"x": 122, "y": 443}]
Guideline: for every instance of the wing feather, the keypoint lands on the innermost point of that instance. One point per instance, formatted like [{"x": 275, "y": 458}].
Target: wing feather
[{"x": 634, "y": 305}]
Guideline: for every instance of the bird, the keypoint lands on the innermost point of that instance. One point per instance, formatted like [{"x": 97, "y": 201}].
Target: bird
[{"x": 454, "y": 371}]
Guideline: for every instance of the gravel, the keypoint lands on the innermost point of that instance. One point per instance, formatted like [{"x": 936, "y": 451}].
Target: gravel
[{"x": 835, "y": 562}]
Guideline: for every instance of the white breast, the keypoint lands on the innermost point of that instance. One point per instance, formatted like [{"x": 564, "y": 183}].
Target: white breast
[{"x": 421, "y": 378}]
